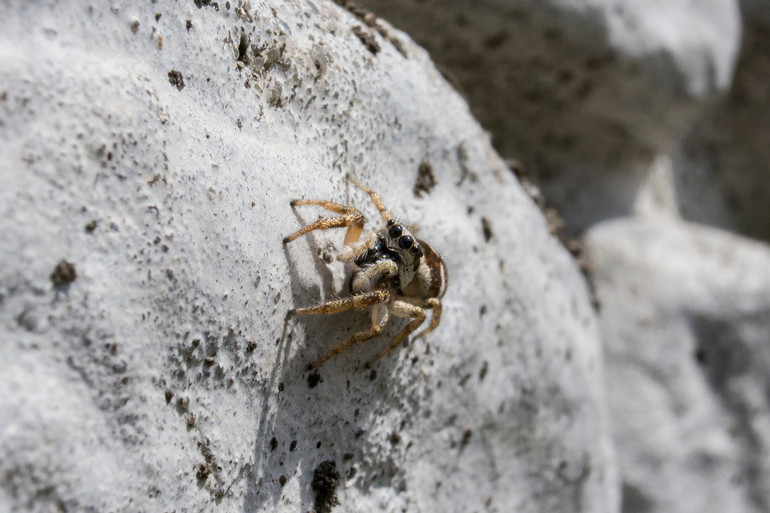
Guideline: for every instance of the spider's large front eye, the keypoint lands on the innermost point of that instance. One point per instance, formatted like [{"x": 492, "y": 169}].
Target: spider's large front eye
[
  {"x": 395, "y": 231},
  {"x": 405, "y": 242}
]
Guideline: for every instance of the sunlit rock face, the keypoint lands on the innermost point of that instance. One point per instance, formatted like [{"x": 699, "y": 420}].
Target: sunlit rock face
[{"x": 149, "y": 154}]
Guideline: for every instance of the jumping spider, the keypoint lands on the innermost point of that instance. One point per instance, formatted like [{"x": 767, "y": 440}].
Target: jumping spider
[{"x": 395, "y": 274}]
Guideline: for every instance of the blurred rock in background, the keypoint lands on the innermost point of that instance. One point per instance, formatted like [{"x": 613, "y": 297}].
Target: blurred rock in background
[
  {"x": 722, "y": 166},
  {"x": 585, "y": 95},
  {"x": 685, "y": 324}
]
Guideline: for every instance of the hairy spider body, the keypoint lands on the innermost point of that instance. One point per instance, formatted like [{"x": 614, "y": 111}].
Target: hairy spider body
[{"x": 394, "y": 274}]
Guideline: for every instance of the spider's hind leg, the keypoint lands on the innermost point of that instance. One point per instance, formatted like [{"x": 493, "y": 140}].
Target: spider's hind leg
[
  {"x": 406, "y": 310},
  {"x": 435, "y": 305}
]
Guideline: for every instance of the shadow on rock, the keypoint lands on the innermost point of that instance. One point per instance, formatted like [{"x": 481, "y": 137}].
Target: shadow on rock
[{"x": 315, "y": 425}]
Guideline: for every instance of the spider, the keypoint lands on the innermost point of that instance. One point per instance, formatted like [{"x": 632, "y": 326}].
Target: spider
[{"x": 395, "y": 274}]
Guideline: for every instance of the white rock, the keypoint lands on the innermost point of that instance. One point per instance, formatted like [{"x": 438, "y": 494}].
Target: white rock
[
  {"x": 685, "y": 314},
  {"x": 689, "y": 47},
  {"x": 165, "y": 376}
]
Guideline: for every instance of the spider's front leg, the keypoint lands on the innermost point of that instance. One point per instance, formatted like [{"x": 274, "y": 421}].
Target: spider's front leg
[
  {"x": 377, "y": 298},
  {"x": 372, "y": 196},
  {"x": 349, "y": 217},
  {"x": 359, "y": 302}
]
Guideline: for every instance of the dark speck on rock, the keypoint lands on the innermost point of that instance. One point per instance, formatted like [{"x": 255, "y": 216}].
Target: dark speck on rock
[
  {"x": 483, "y": 371},
  {"x": 426, "y": 180},
  {"x": 64, "y": 273},
  {"x": 176, "y": 79},
  {"x": 313, "y": 379},
  {"x": 326, "y": 478},
  {"x": 486, "y": 227},
  {"x": 367, "y": 38},
  {"x": 204, "y": 471},
  {"x": 467, "y": 434}
]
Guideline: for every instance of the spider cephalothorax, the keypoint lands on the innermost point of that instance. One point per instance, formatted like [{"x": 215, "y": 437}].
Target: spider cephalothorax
[
  {"x": 394, "y": 244},
  {"x": 395, "y": 274}
]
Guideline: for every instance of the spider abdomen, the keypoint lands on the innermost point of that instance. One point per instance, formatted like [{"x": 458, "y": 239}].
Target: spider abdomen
[{"x": 431, "y": 278}]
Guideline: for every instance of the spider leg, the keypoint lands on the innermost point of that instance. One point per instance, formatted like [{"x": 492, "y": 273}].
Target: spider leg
[
  {"x": 379, "y": 320},
  {"x": 405, "y": 310},
  {"x": 374, "y": 197},
  {"x": 435, "y": 305},
  {"x": 349, "y": 217},
  {"x": 358, "y": 302}
]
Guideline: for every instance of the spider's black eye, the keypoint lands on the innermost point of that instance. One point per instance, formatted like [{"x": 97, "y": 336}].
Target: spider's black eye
[
  {"x": 416, "y": 250},
  {"x": 405, "y": 242},
  {"x": 395, "y": 231},
  {"x": 391, "y": 222}
]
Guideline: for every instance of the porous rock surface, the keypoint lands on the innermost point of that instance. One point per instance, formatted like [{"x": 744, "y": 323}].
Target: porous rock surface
[
  {"x": 149, "y": 152},
  {"x": 685, "y": 328}
]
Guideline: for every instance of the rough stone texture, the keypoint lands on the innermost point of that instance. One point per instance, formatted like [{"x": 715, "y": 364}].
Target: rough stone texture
[
  {"x": 686, "y": 325},
  {"x": 154, "y": 149},
  {"x": 584, "y": 94}
]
